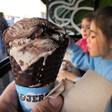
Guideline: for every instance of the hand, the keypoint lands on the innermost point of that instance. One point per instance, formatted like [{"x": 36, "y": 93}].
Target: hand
[
  {"x": 63, "y": 74},
  {"x": 49, "y": 105},
  {"x": 9, "y": 102},
  {"x": 9, "y": 99}
]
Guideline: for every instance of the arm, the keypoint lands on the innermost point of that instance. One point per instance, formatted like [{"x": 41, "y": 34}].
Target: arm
[
  {"x": 63, "y": 74},
  {"x": 79, "y": 59}
]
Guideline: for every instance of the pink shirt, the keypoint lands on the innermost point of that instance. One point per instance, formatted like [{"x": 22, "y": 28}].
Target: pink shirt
[{"x": 83, "y": 44}]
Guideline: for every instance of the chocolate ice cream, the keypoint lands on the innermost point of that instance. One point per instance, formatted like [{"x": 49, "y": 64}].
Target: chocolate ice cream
[{"x": 36, "y": 48}]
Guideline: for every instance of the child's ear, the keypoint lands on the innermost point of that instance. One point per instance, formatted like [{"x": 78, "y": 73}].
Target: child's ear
[{"x": 111, "y": 45}]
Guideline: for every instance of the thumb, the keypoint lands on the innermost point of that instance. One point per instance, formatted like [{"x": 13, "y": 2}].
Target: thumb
[{"x": 49, "y": 105}]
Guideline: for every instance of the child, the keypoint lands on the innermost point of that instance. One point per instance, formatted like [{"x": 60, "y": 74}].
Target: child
[
  {"x": 85, "y": 31},
  {"x": 99, "y": 45}
]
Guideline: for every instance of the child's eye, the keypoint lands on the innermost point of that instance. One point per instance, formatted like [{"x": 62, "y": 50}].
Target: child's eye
[
  {"x": 82, "y": 26},
  {"x": 88, "y": 27},
  {"x": 92, "y": 36}
]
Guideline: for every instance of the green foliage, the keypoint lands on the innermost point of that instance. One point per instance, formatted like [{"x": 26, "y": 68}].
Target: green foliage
[{"x": 104, "y": 3}]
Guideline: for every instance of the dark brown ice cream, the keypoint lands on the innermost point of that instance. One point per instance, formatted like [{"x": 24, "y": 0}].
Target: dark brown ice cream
[{"x": 36, "y": 48}]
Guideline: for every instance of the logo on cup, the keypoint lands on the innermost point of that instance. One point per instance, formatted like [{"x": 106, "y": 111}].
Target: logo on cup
[{"x": 30, "y": 97}]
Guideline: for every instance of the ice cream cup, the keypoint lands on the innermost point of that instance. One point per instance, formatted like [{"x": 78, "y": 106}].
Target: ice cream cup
[
  {"x": 36, "y": 48},
  {"x": 30, "y": 97}
]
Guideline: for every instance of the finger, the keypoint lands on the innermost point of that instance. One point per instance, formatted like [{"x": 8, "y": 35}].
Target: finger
[
  {"x": 59, "y": 79},
  {"x": 10, "y": 95},
  {"x": 49, "y": 105}
]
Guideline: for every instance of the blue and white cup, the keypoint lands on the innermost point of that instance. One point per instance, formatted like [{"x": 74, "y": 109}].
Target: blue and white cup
[{"x": 30, "y": 97}]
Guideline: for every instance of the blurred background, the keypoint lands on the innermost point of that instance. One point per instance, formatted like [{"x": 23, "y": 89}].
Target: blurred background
[
  {"x": 65, "y": 13},
  {"x": 18, "y": 9},
  {"x": 13, "y": 11}
]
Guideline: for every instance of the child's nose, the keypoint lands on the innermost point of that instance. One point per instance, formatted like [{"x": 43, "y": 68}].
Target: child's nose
[
  {"x": 84, "y": 29},
  {"x": 88, "y": 39}
]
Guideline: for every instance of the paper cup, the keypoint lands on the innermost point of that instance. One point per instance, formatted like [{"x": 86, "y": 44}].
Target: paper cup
[{"x": 30, "y": 97}]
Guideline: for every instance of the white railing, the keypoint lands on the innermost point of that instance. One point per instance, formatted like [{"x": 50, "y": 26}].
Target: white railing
[{"x": 60, "y": 10}]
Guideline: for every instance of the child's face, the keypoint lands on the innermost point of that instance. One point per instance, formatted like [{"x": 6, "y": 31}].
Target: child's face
[
  {"x": 85, "y": 28},
  {"x": 97, "y": 42}
]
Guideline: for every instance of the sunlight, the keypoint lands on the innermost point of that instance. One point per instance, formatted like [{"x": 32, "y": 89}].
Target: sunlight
[{"x": 23, "y": 8}]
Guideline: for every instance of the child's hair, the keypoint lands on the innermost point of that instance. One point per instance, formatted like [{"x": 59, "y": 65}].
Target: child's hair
[
  {"x": 89, "y": 16},
  {"x": 103, "y": 21}
]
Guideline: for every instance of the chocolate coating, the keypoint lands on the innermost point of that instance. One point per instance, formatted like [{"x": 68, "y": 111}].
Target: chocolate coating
[
  {"x": 26, "y": 27},
  {"x": 35, "y": 29}
]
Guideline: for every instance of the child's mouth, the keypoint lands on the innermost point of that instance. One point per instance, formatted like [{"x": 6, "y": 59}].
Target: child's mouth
[{"x": 85, "y": 35}]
